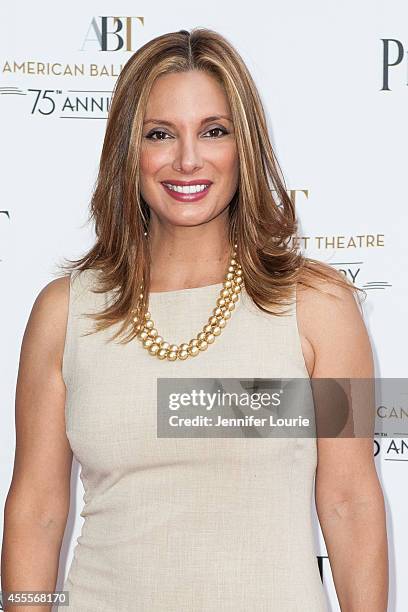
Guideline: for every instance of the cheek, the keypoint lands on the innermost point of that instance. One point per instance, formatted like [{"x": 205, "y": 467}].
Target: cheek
[
  {"x": 151, "y": 161},
  {"x": 227, "y": 159}
]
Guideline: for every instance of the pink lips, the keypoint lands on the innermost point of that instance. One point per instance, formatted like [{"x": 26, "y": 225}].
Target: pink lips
[{"x": 187, "y": 197}]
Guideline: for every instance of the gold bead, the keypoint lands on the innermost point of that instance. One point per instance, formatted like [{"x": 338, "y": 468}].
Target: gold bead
[{"x": 228, "y": 296}]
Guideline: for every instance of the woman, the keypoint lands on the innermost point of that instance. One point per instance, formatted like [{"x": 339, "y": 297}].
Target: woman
[{"x": 189, "y": 524}]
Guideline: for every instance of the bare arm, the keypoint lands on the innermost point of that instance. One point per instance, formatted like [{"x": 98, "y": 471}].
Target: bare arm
[
  {"x": 349, "y": 499},
  {"x": 37, "y": 503}
]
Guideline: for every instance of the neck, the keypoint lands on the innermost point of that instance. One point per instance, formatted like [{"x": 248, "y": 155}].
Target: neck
[{"x": 184, "y": 257}]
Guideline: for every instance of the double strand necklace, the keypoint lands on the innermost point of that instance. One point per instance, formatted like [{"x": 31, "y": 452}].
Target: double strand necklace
[{"x": 228, "y": 296}]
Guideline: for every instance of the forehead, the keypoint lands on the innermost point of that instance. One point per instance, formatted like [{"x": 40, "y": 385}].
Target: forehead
[{"x": 186, "y": 95}]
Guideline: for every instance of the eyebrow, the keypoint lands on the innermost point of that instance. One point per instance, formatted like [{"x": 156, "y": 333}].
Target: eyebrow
[{"x": 170, "y": 124}]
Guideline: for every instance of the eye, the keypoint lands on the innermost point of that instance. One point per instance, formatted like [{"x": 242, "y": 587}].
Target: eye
[
  {"x": 153, "y": 132},
  {"x": 218, "y": 129}
]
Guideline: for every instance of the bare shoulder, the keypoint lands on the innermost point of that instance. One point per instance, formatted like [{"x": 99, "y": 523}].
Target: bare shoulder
[
  {"x": 331, "y": 328},
  {"x": 48, "y": 318},
  {"x": 327, "y": 297},
  {"x": 56, "y": 289}
]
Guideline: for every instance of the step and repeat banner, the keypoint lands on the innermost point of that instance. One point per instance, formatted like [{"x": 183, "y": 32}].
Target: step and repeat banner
[{"x": 333, "y": 80}]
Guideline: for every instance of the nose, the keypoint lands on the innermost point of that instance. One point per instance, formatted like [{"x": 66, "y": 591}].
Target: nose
[{"x": 187, "y": 156}]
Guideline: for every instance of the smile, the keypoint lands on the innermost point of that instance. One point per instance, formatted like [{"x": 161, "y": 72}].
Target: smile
[
  {"x": 187, "y": 188},
  {"x": 187, "y": 193}
]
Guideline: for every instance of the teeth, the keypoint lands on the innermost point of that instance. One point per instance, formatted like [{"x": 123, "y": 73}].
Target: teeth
[{"x": 187, "y": 189}]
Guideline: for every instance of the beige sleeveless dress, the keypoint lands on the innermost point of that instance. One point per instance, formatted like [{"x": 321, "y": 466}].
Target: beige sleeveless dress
[{"x": 185, "y": 525}]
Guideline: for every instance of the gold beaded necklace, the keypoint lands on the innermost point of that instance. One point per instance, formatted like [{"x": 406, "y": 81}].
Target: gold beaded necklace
[{"x": 229, "y": 295}]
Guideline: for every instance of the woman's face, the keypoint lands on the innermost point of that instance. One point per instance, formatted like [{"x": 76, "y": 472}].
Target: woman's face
[{"x": 188, "y": 136}]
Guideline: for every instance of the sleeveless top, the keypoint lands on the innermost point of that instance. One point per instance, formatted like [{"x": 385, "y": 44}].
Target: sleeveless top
[{"x": 185, "y": 524}]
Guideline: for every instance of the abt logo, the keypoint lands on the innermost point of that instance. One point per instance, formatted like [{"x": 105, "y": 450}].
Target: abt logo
[{"x": 111, "y": 33}]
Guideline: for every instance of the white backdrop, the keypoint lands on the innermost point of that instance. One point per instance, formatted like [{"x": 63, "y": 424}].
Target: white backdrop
[{"x": 337, "y": 120}]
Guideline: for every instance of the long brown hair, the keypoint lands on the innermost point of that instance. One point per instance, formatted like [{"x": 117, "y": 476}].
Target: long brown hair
[{"x": 261, "y": 213}]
